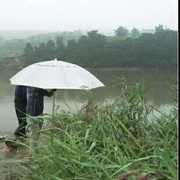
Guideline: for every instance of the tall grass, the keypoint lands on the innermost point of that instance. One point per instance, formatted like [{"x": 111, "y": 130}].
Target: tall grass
[{"x": 114, "y": 141}]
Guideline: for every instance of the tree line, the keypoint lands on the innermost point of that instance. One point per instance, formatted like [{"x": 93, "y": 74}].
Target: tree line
[{"x": 95, "y": 50}]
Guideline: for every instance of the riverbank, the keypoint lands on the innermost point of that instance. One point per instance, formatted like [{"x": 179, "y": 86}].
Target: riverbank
[
  {"x": 107, "y": 141},
  {"x": 12, "y": 163}
]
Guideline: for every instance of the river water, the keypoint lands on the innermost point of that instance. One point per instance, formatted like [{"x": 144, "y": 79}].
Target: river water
[{"x": 157, "y": 81}]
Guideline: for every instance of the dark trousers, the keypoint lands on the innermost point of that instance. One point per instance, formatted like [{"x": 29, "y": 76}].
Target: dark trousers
[{"x": 21, "y": 116}]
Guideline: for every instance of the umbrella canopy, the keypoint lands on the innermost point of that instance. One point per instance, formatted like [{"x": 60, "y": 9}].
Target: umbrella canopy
[{"x": 56, "y": 74}]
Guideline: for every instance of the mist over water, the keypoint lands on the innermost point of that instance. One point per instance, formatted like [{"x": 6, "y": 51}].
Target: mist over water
[
  {"x": 8, "y": 119},
  {"x": 157, "y": 81}
]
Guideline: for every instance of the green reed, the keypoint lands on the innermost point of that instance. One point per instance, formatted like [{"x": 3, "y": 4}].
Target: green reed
[{"x": 113, "y": 141}]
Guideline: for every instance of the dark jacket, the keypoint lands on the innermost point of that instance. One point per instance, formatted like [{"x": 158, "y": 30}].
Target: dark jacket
[
  {"x": 21, "y": 95},
  {"x": 35, "y": 104}
]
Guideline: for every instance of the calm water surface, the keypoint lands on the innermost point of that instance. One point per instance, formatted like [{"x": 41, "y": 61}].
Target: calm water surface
[{"x": 158, "y": 82}]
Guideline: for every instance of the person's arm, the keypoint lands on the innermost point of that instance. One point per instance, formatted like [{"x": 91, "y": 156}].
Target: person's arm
[{"x": 48, "y": 93}]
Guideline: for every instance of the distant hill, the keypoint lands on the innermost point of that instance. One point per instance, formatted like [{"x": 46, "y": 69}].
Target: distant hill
[{"x": 21, "y": 34}]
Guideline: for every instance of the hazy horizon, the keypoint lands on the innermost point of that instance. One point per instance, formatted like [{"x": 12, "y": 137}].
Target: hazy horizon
[
  {"x": 20, "y": 33},
  {"x": 71, "y": 15}
]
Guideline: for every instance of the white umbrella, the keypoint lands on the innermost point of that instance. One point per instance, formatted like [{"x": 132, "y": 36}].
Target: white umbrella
[{"x": 56, "y": 74}]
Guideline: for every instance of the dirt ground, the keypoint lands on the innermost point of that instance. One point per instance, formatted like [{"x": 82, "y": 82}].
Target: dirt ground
[{"x": 12, "y": 163}]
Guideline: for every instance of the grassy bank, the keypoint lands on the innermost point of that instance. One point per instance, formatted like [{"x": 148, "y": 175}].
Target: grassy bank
[{"x": 114, "y": 141}]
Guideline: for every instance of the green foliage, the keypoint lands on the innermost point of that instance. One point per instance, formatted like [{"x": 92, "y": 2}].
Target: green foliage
[
  {"x": 60, "y": 48},
  {"x": 94, "y": 50},
  {"x": 29, "y": 54},
  {"x": 122, "y": 32},
  {"x": 112, "y": 141},
  {"x": 135, "y": 33}
]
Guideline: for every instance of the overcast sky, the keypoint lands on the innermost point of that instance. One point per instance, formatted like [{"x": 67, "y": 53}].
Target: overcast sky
[{"x": 87, "y": 14}]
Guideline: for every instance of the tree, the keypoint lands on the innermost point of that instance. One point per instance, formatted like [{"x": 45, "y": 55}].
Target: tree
[
  {"x": 60, "y": 48},
  {"x": 41, "y": 52},
  {"x": 29, "y": 54},
  {"x": 91, "y": 48},
  {"x": 122, "y": 32},
  {"x": 159, "y": 29},
  {"x": 135, "y": 33},
  {"x": 71, "y": 51},
  {"x": 51, "y": 51}
]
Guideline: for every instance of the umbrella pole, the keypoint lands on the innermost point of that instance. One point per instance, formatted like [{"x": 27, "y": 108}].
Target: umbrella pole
[{"x": 53, "y": 103}]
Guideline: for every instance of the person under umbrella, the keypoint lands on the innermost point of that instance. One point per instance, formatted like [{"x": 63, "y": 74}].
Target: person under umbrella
[
  {"x": 20, "y": 103},
  {"x": 35, "y": 107},
  {"x": 55, "y": 74}
]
